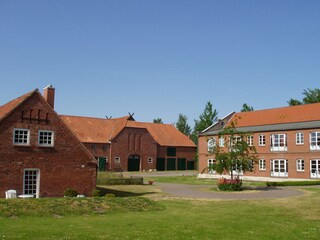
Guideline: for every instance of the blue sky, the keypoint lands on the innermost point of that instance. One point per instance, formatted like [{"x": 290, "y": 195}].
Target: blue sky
[{"x": 160, "y": 58}]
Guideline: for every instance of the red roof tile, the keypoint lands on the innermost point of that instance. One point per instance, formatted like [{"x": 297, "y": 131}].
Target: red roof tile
[{"x": 292, "y": 114}]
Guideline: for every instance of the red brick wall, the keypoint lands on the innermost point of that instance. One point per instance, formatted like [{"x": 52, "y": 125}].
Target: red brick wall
[
  {"x": 67, "y": 164},
  {"x": 293, "y": 153}
]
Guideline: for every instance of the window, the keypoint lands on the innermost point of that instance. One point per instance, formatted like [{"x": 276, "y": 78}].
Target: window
[
  {"x": 117, "y": 160},
  {"x": 300, "y": 165},
  {"x": 262, "y": 140},
  {"x": 250, "y": 140},
  {"x": 45, "y": 138},
  {"x": 171, "y": 151},
  {"x": 31, "y": 182},
  {"x": 221, "y": 142},
  {"x": 211, "y": 163},
  {"x": 315, "y": 141},
  {"x": 150, "y": 160},
  {"x": 299, "y": 138},
  {"x": 211, "y": 144},
  {"x": 278, "y": 142},
  {"x": 262, "y": 164},
  {"x": 279, "y": 168},
  {"x": 21, "y": 136}
]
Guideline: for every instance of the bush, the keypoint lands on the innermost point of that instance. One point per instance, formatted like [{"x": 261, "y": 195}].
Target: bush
[
  {"x": 96, "y": 193},
  {"x": 70, "y": 192},
  {"x": 110, "y": 195},
  {"x": 293, "y": 183},
  {"x": 229, "y": 184}
]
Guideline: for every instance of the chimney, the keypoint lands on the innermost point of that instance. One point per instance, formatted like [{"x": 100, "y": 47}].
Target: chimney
[{"x": 48, "y": 94}]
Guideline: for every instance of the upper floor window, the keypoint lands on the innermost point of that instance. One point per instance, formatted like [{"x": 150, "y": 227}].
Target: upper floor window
[
  {"x": 262, "y": 140},
  {"x": 171, "y": 151},
  {"x": 250, "y": 140},
  {"x": 299, "y": 138},
  {"x": 21, "y": 136},
  {"x": 45, "y": 138},
  {"x": 221, "y": 142},
  {"x": 278, "y": 142},
  {"x": 211, "y": 144},
  {"x": 315, "y": 141}
]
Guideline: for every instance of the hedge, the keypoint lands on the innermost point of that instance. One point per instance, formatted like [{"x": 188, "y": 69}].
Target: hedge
[{"x": 293, "y": 183}]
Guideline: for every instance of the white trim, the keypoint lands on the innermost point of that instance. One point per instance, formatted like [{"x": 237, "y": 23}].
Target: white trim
[
  {"x": 37, "y": 180},
  {"x": 45, "y": 144},
  {"x": 220, "y": 119},
  {"x": 28, "y": 137}
]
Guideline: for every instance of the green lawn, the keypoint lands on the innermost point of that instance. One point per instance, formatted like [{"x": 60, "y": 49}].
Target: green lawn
[{"x": 166, "y": 218}]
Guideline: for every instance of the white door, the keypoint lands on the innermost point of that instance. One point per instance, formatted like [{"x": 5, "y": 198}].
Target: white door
[
  {"x": 31, "y": 180},
  {"x": 315, "y": 168}
]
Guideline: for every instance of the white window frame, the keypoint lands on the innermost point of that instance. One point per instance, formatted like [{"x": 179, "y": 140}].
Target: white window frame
[
  {"x": 150, "y": 160},
  {"x": 22, "y": 134},
  {"x": 278, "y": 142},
  {"x": 221, "y": 142},
  {"x": 48, "y": 137},
  {"x": 211, "y": 144},
  {"x": 300, "y": 166},
  {"x": 262, "y": 164},
  {"x": 315, "y": 168},
  {"x": 35, "y": 190},
  {"x": 117, "y": 160},
  {"x": 211, "y": 161},
  {"x": 315, "y": 141},
  {"x": 299, "y": 138},
  {"x": 279, "y": 168},
  {"x": 250, "y": 140},
  {"x": 262, "y": 140}
]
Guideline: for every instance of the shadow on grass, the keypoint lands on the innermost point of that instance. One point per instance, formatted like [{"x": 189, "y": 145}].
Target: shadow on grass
[
  {"x": 260, "y": 188},
  {"x": 119, "y": 193}
]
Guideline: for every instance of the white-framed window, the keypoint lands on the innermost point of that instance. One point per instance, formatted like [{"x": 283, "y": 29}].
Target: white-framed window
[
  {"x": 299, "y": 138},
  {"x": 279, "y": 168},
  {"x": 21, "y": 136},
  {"x": 31, "y": 180},
  {"x": 221, "y": 142},
  {"x": 262, "y": 164},
  {"x": 117, "y": 160},
  {"x": 45, "y": 138},
  {"x": 211, "y": 163},
  {"x": 250, "y": 140},
  {"x": 211, "y": 144},
  {"x": 279, "y": 142},
  {"x": 262, "y": 140},
  {"x": 150, "y": 160},
  {"x": 315, "y": 141},
  {"x": 300, "y": 165}
]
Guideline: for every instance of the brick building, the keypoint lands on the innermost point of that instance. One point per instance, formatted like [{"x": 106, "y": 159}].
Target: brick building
[
  {"x": 287, "y": 141},
  {"x": 122, "y": 144},
  {"x": 39, "y": 155}
]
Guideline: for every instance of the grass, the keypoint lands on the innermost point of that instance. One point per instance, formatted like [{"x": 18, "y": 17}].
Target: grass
[{"x": 131, "y": 216}]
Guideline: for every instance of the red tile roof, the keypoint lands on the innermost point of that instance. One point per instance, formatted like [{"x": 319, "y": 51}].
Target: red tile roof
[
  {"x": 100, "y": 130},
  {"x": 292, "y": 114},
  {"x": 6, "y": 109}
]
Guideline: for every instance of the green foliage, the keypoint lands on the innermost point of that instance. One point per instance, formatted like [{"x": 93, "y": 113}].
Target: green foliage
[
  {"x": 96, "y": 193},
  {"x": 110, "y": 195},
  {"x": 293, "y": 183},
  {"x": 246, "y": 108},
  {"x": 310, "y": 96},
  {"x": 70, "y": 192},
  {"x": 182, "y": 125},
  {"x": 229, "y": 184},
  {"x": 157, "y": 120}
]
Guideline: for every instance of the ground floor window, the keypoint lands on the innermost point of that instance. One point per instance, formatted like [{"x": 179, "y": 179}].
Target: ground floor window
[
  {"x": 315, "y": 168},
  {"x": 31, "y": 182},
  {"x": 300, "y": 165},
  {"x": 279, "y": 168},
  {"x": 262, "y": 164},
  {"x": 211, "y": 163}
]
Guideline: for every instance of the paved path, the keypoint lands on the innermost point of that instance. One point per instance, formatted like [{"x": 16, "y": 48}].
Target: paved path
[{"x": 203, "y": 192}]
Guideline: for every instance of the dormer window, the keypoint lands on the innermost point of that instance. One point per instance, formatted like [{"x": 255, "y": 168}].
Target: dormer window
[{"x": 21, "y": 136}]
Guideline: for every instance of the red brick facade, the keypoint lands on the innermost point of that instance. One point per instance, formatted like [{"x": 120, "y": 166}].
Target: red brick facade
[{"x": 66, "y": 164}]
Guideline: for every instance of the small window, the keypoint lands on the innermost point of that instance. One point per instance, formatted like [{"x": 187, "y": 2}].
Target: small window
[
  {"x": 21, "y": 136},
  {"x": 221, "y": 142},
  {"x": 93, "y": 147},
  {"x": 104, "y": 147},
  {"x": 211, "y": 144},
  {"x": 299, "y": 138},
  {"x": 117, "y": 160},
  {"x": 262, "y": 164},
  {"x": 150, "y": 160},
  {"x": 171, "y": 151},
  {"x": 250, "y": 140},
  {"x": 300, "y": 165},
  {"x": 262, "y": 140},
  {"x": 45, "y": 138}
]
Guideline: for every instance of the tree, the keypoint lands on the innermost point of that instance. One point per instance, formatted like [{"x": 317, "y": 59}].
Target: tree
[
  {"x": 182, "y": 125},
  {"x": 206, "y": 119},
  {"x": 157, "y": 120},
  {"x": 246, "y": 108},
  {"x": 310, "y": 96},
  {"x": 236, "y": 155}
]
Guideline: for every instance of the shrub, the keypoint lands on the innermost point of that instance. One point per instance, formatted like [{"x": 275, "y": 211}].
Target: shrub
[
  {"x": 70, "y": 192},
  {"x": 229, "y": 184},
  {"x": 110, "y": 195},
  {"x": 293, "y": 183},
  {"x": 96, "y": 193}
]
